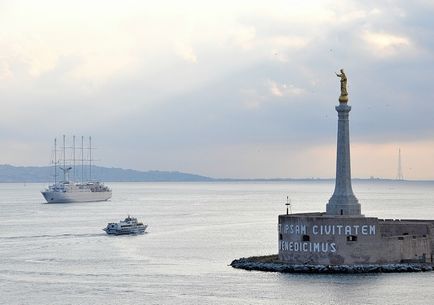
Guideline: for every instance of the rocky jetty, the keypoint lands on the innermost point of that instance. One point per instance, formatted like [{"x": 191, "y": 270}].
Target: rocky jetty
[{"x": 271, "y": 263}]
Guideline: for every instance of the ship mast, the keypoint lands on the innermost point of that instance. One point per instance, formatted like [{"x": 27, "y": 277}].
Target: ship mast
[
  {"x": 64, "y": 159},
  {"x": 90, "y": 158},
  {"x": 55, "y": 160},
  {"x": 73, "y": 156},
  {"x": 82, "y": 159}
]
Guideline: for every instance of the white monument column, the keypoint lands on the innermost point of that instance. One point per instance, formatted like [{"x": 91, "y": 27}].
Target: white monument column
[{"x": 343, "y": 201}]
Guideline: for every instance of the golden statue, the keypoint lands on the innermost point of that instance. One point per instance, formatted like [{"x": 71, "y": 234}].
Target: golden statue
[{"x": 344, "y": 93}]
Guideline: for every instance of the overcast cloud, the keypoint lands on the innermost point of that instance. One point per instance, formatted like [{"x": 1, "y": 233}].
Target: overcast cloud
[{"x": 227, "y": 89}]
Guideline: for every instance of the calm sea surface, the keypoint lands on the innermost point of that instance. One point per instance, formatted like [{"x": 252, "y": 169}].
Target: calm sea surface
[{"x": 58, "y": 254}]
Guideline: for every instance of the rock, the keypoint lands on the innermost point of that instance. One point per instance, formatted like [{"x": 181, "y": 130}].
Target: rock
[{"x": 271, "y": 263}]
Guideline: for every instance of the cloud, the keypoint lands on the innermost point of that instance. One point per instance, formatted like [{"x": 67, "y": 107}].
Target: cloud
[
  {"x": 284, "y": 90},
  {"x": 186, "y": 52},
  {"x": 269, "y": 92},
  {"x": 243, "y": 36},
  {"x": 159, "y": 78},
  {"x": 251, "y": 99},
  {"x": 5, "y": 71},
  {"x": 386, "y": 44}
]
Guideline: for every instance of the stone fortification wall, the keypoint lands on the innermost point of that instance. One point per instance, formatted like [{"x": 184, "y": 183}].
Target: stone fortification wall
[
  {"x": 401, "y": 249},
  {"x": 337, "y": 240},
  {"x": 408, "y": 230},
  {"x": 390, "y": 227}
]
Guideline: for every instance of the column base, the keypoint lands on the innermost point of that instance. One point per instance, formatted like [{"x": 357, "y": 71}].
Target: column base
[{"x": 343, "y": 205}]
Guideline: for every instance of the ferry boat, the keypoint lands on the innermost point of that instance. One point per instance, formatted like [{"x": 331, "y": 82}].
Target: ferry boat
[
  {"x": 69, "y": 191},
  {"x": 128, "y": 226}
]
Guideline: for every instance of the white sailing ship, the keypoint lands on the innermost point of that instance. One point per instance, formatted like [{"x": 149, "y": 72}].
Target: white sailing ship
[{"x": 70, "y": 191}]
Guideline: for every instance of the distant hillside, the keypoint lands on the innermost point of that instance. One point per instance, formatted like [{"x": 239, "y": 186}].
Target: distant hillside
[{"x": 9, "y": 173}]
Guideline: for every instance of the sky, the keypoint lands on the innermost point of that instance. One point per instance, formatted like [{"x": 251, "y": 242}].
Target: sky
[{"x": 236, "y": 89}]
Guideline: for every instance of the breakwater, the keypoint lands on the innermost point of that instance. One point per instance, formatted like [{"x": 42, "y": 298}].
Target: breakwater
[{"x": 270, "y": 263}]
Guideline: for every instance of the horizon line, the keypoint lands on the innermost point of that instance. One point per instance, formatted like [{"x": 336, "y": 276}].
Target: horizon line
[{"x": 211, "y": 178}]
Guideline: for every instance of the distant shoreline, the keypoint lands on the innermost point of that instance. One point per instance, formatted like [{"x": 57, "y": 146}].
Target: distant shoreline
[{"x": 44, "y": 174}]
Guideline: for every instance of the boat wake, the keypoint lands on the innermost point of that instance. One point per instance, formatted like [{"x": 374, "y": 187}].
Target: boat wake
[{"x": 66, "y": 235}]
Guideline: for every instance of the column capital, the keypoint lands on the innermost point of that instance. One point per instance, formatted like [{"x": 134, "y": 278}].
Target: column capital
[{"x": 343, "y": 108}]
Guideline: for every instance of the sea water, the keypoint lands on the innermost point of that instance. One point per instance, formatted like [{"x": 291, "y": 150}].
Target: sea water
[{"x": 58, "y": 253}]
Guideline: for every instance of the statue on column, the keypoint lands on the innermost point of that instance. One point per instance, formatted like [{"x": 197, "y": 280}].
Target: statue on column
[{"x": 343, "y": 98}]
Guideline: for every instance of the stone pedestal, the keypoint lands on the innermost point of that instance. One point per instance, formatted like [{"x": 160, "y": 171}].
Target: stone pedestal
[
  {"x": 343, "y": 201},
  {"x": 319, "y": 239}
]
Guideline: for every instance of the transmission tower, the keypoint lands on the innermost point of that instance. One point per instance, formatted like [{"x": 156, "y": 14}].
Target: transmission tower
[{"x": 400, "y": 175}]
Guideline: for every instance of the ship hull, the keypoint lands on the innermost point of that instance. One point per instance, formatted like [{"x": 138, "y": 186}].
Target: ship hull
[
  {"x": 140, "y": 229},
  {"x": 67, "y": 197}
]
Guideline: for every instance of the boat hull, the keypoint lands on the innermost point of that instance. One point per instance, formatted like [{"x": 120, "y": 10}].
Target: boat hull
[
  {"x": 66, "y": 197},
  {"x": 131, "y": 231}
]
